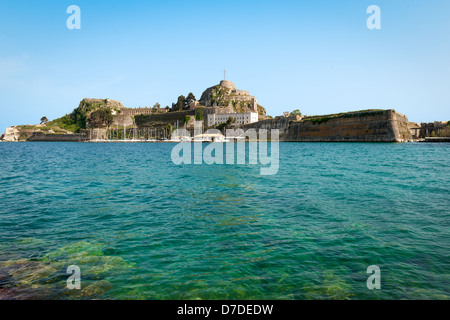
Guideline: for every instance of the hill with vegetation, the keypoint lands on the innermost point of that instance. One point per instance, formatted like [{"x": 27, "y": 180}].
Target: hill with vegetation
[{"x": 91, "y": 113}]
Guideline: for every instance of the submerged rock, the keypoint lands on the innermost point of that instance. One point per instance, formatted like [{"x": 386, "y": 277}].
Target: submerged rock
[
  {"x": 96, "y": 289},
  {"x": 6, "y": 279},
  {"x": 89, "y": 257},
  {"x": 7, "y": 294},
  {"x": 74, "y": 250},
  {"x": 46, "y": 277},
  {"x": 331, "y": 288}
]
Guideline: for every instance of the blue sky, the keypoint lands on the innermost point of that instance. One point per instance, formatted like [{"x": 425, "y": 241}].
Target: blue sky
[{"x": 315, "y": 55}]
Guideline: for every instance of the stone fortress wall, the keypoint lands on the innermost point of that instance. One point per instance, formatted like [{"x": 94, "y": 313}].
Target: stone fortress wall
[
  {"x": 138, "y": 111},
  {"x": 75, "y": 137},
  {"x": 108, "y": 103},
  {"x": 363, "y": 126},
  {"x": 214, "y": 110}
]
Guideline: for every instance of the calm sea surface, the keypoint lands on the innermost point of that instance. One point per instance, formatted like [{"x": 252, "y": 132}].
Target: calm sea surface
[{"x": 140, "y": 227}]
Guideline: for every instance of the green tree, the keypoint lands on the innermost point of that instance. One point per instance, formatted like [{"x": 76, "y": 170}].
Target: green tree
[
  {"x": 190, "y": 98},
  {"x": 445, "y": 132},
  {"x": 44, "y": 120},
  {"x": 78, "y": 117},
  {"x": 296, "y": 112},
  {"x": 231, "y": 120},
  {"x": 181, "y": 101},
  {"x": 156, "y": 106},
  {"x": 199, "y": 114},
  {"x": 169, "y": 128},
  {"x": 100, "y": 118}
]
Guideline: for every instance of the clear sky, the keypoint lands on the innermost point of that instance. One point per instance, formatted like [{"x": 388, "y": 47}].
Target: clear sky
[{"x": 316, "y": 55}]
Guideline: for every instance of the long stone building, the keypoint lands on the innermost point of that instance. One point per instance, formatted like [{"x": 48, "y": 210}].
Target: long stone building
[{"x": 240, "y": 118}]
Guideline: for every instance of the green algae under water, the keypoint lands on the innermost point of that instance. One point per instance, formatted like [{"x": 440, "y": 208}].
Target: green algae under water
[{"x": 140, "y": 227}]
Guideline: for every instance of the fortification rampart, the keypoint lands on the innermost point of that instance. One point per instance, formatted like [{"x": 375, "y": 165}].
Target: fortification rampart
[
  {"x": 162, "y": 118},
  {"x": 76, "y": 137},
  {"x": 364, "y": 126},
  {"x": 215, "y": 110},
  {"x": 122, "y": 120},
  {"x": 282, "y": 124}
]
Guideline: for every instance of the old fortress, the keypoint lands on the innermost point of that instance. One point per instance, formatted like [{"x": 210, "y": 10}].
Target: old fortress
[
  {"x": 224, "y": 101},
  {"x": 224, "y": 106},
  {"x": 218, "y": 103}
]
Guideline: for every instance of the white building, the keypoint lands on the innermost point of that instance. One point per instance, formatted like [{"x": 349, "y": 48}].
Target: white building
[{"x": 241, "y": 118}]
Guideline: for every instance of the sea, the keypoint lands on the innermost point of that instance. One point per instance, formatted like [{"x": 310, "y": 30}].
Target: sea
[{"x": 138, "y": 226}]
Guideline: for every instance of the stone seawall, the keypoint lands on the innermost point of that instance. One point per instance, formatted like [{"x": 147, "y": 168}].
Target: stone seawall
[
  {"x": 436, "y": 139},
  {"x": 281, "y": 124},
  {"x": 76, "y": 137},
  {"x": 122, "y": 120},
  {"x": 163, "y": 118},
  {"x": 362, "y": 126}
]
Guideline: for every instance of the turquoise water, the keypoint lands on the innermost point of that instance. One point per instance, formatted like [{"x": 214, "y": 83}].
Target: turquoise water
[{"x": 140, "y": 227}]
